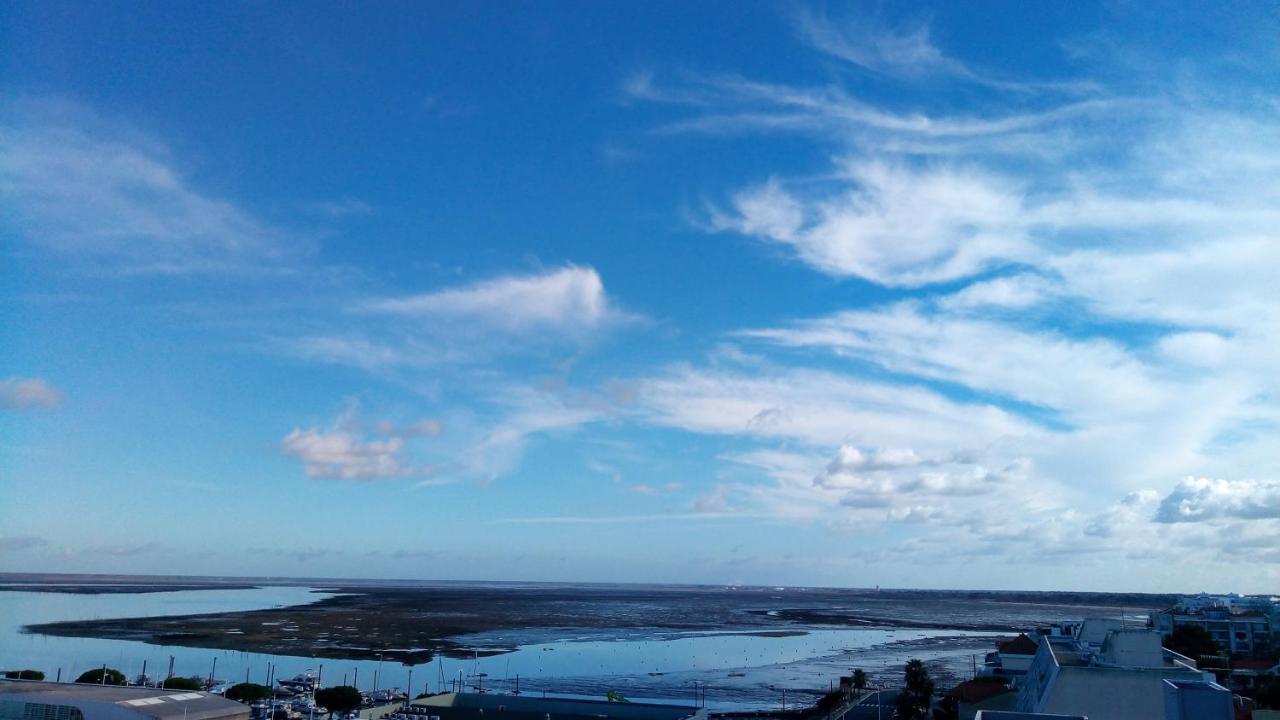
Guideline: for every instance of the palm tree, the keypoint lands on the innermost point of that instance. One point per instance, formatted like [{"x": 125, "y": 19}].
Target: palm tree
[
  {"x": 915, "y": 698},
  {"x": 859, "y": 680}
]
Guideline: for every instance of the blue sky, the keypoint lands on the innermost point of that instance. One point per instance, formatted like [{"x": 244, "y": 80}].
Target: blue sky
[{"x": 901, "y": 295}]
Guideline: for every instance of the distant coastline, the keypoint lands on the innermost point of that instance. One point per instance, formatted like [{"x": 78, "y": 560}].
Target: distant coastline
[
  {"x": 108, "y": 589},
  {"x": 413, "y": 624}
]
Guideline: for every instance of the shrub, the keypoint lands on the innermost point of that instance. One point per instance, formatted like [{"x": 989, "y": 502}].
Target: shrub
[
  {"x": 248, "y": 692},
  {"x": 182, "y": 683},
  {"x": 109, "y": 676},
  {"x": 340, "y": 699}
]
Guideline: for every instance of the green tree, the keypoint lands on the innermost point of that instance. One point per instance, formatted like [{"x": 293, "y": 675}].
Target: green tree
[
  {"x": 859, "y": 680},
  {"x": 96, "y": 677},
  {"x": 340, "y": 699},
  {"x": 24, "y": 675},
  {"x": 248, "y": 692},
  {"x": 1193, "y": 641},
  {"x": 182, "y": 683},
  {"x": 914, "y": 699}
]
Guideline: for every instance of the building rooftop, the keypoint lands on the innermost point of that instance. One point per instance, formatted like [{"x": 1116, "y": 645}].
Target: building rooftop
[
  {"x": 979, "y": 689},
  {"x": 1011, "y": 715},
  {"x": 1133, "y": 648},
  {"x": 474, "y": 706},
  {"x": 101, "y": 700},
  {"x": 1093, "y": 631},
  {"x": 1021, "y": 645}
]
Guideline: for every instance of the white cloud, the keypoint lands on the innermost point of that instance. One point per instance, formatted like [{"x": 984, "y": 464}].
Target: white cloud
[
  {"x": 1015, "y": 292},
  {"x": 1102, "y": 273},
  {"x": 647, "y": 489},
  {"x": 344, "y": 452},
  {"x": 732, "y": 105},
  {"x": 352, "y": 351},
  {"x": 852, "y": 459},
  {"x": 696, "y": 516},
  {"x": 569, "y": 299},
  {"x": 1203, "y": 349},
  {"x": 714, "y": 502},
  {"x": 547, "y": 313},
  {"x": 818, "y": 408},
  {"x": 1085, "y": 379},
  {"x": 1111, "y": 415},
  {"x": 525, "y": 414},
  {"x": 787, "y": 466},
  {"x": 893, "y": 225},
  {"x": 26, "y": 393},
  {"x": 1199, "y": 499},
  {"x": 1220, "y": 282},
  {"x": 907, "y": 53},
  {"x": 893, "y": 477},
  {"x": 105, "y": 196},
  {"x": 343, "y": 455}
]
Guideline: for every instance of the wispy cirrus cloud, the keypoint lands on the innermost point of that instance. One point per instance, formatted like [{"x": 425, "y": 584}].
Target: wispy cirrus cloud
[
  {"x": 1090, "y": 263},
  {"x": 570, "y": 300},
  {"x": 104, "y": 196},
  {"x": 28, "y": 393},
  {"x": 892, "y": 225},
  {"x": 818, "y": 408},
  {"x": 546, "y": 311},
  {"x": 730, "y": 105},
  {"x": 906, "y": 52},
  {"x": 525, "y": 414}
]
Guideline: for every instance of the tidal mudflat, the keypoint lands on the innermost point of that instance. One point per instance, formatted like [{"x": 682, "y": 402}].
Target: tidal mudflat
[
  {"x": 744, "y": 646},
  {"x": 413, "y": 623}
]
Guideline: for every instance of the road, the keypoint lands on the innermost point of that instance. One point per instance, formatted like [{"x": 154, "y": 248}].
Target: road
[{"x": 873, "y": 706}]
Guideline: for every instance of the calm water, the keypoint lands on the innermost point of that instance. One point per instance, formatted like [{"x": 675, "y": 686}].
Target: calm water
[{"x": 740, "y": 670}]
